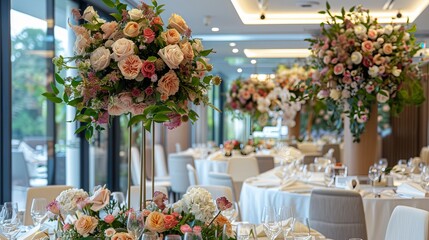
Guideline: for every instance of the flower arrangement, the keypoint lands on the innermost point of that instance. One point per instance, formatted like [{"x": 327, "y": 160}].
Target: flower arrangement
[
  {"x": 134, "y": 65},
  {"x": 294, "y": 78},
  {"x": 363, "y": 62},
  {"x": 80, "y": 215},
  {"x": 232, "y": 145},
  {"x": 250, "y": 97}
]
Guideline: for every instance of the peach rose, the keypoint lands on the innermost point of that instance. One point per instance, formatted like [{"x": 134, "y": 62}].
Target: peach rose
[
  {"x": 387, "y": 48},
  {"x": 131, "y": 29},
  {"x": 171, "y": 36},
  {"x": 172, "y": 55},
  {"x": 169, "y": 84},
  {"x": 155, "y": 222},
  {"x": 178, "y": 23},
  {"x": 372, "y": 34},
  {"x": 108, "y": 28},
  {"x": 122, "y": 48},
  {"x": 137, "y": 109},
  {"x": 81, "y": 44},
  {"x": 85, "y": 225},
  {"x": 188, "y": 52},
  {"x": 109, "y": 232},
  {"x": 157, "y": 20},
  {"x": 100, "y": 199},
  {"x": 130, "y": 66},
  {"x": 125, "y": 100},
  {"x": 339, "y": 69},
  {"x": 100, "y": 58},
  {"x": 122, "y": 236},
  {"x": 367, "y": 46},
  {"x": 114, "y": 108}
]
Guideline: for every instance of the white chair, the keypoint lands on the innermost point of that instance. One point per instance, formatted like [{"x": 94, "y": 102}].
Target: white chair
[
  {"x": 178, "y": 147},
  {"x": 178, "y": 172},
  {"x": 48, "y": 192},
  {"x": 135, "y": 194},
  {"x": 223, "y": 179},
  {"x": 135, "y": 169},
  {"x": 161, "y": 172},
  {"x": 192, "y": 175},
  {"x": 242, "y": 168},
  {"x": 337, "y": 214},
  {"x": 265, "y": 163},
  {"x": 408, "y": 223},
  {"x": 217, "y": 191}
]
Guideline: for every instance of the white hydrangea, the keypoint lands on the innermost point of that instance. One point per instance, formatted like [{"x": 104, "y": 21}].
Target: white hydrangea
[
  {"x": 68, "y": 199},
  {"x": 198, "y": 202}
]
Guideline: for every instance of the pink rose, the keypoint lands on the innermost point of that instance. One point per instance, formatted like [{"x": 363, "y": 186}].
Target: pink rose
[
  {"x": 137, "y": 109},
  {"x": 234, "y": 105},
  {"x": 338, "y": 69},
  {"x": 222, "y": 203},
  {"x": 159, "y": 199},
  {"x": 125, "y": 101},
  {"x": 387, "y": 48},
  {"x": 66, "y": 227},
  {"x": 53, "y": 207},
  {"x": 108, "y": 28},
  {"x": 367, "y": 61},
  {"x": 103, "y": 118},
  {"x": 149, "y": 35},
  {"x": 367, "y": 46},
  {"x": 334, "y": 61},
  {"x": 148, "y": 69},
  {"x": 130, "y": 66},
  {"x": 369, "y": 88},
  {"x": 114, "y": 108},
  {"x": 148, "y": 91},
  {"x": 170, "y": 221},
  {"x": 326, "y": 59},
  {"x": 135, "y": 92},
  {"x": 372, "y": 34},
  {"x": 175, "y": 121},
  {"x": 362, "y": 118},
  {"x": 100, "y": 199},
  {"x": 109, "y": 218},
  {"x": 169, "y": 84},
  {"x": 185, "y": 228},
  {"x": 197, "y": 229}
]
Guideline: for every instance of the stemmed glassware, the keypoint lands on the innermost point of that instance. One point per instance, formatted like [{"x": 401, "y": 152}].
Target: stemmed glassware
[
  {"x": 270, "y": 221},
  {"x": 425, "y": 177},
  {"x": 149, "y": 236},
  {"x": 374, "y": 174},
  {"x": 38, "y": 210},
  {"x": 246, "y": 231},
  {"x": 192, "y": 236},
  {"x": 135, "y": 223},
  {"x": 232, "y": 213},
  {"x": 10, "y": 222},
  {"x": 287, "y": 220},
  {"x": 329, "y": 176}
]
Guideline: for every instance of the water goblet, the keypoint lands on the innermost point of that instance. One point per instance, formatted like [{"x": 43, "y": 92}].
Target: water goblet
[
  {"x": 329, "y": 175},
  {"x": 192, "y": 236},
  {"x": 287, "y": 220},
  {"x": 38, "y": 210},
  {"x": 382, "y": 164},
  {"x": 150, "y": 236},
  {"x": 10, "y": 223},
  {"x": 246, "y": 231},
  {"x": 271, "y": 223},
  {"x": 173, "y": 237},
  {"x": 135, "y": 223},
  {"x": 231, "y": 213},
  {"x": 374, "y": 173}
]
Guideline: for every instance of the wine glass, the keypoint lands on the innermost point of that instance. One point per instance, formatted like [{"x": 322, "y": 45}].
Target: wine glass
[
  {"x": 192, "y": 236},
  {"x": 287, "y": 219},
  {"x": 38, "y": 210},
  {"x": 173, "y": 237},
  {"x": 383, "y": 163},
  {"x": 374, "y": 173},
  {"x": 271, "y": 223},
  {"x": 231, "y": 213},
  {"x": 150, "y": 236},
  {"x": 135, "y": 223},
  {"x": 329, "y": 175},
  {"x": 10, "y": 222},
  {"x": 246, "y": 231},
  {"x": 425, "y": 177}
]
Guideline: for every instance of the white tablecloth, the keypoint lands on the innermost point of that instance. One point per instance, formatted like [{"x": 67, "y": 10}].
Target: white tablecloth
[{"x": 377, "y": 210}]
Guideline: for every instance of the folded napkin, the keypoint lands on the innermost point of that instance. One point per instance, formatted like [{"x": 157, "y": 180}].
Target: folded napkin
[
  {"x": 412, "y": 189},
  {"x": 216, "y": 156},
  {"x": 292, "y": 185},
  {"x": 298, "y": 228},
  {"x": 265, "y": 182},
  {"x": 29, "y": 234},
  {"x": 40, "y": 235}
]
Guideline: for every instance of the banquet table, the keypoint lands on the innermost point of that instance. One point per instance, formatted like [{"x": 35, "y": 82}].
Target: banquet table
[{"x": 267, "y": 192}]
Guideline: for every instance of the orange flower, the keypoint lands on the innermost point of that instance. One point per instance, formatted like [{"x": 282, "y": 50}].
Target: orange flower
[
  {"x": 155, "y": 222},
  {"x": 130, "y": 66}
]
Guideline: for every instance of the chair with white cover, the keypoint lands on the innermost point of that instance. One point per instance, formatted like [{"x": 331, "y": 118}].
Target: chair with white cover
[
  {"x": 337, "y": 214},
  {"x": 192, "y": 175},
  {"x": 179, "y": 172},
  {"x": 223, "y": 179},
  {"x": 408, "y": 223},
  {"x": 265, "y": 163},
  {"x": 135, "y": 194},
  {"x": 50, "y": 193},
  {"x": 242, "y": 168}
]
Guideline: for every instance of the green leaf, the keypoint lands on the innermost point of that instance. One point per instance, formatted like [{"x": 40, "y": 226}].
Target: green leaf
[
  {"x": 117, "y": 16},
  {"x": 328, "y": 7},
  {"x": 55, "y": 99},
  {"x": 80, "y": 129},
  {"x": 207, "y": 79},
  {"x": 89, "y": 132},
  {"x": 65, "y": 97},
  {"x": 54, "y": 88},
  {"x": 343, "y": 12},
  {"x": 412, "y": 29},
  {"x": 147, "y": 125},
  {"x": 205, "y": 53},
  {"x": 109, "y": 3},
  {"x": 160, "y": 118},
  {"x": 92, "y": 27},
  {"x": 48, "y": 94},
  {"x": 195, "y": 81},
  {"x": 352, "y": 9},
  {"x": 136, "y": 119},
  {"x": 322, "y": 12},
  {"x": 75, "y": 101},
  {"x": 59, "y": 79},
  {"x": 152, "y": 58}
]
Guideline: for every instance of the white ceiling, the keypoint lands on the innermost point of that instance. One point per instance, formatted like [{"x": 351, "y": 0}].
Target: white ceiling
[{"x": 232, "y": 29}]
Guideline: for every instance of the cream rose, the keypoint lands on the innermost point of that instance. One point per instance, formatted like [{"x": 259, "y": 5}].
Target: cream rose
[
  {"x": 100, "y": 58},
  {"x": 373, "y": 71},
  {"x": 178, "y": 23},
  {"x": 108, "y": 29},
  {"x": 388, "y": 29},
  {"x": 387, "y": 48},
  {"x": 356, "y": 58},
  {"x": 81, "y": 44},
  {"x": 335, "y": 94},
  {"x": 396, "y": 71},
  {"x": 155, "y": 222},
  {"x": 85, "y": 225},
  {"x": 132, "y": 29},
  {"x": 359, "y": 29},
  {"x": 197, "y": 45},
  {"x": 135, "y": 14},
  {"x": 89, "y": 14},
  {"x": 188, "y": 52},
  {"x": 122, "y": 236},
  {"x": 171, "y": 36},
  {"x": 130, "y": 66},
  {"x": 383, "y": 96},
  {"x": 172, "y": 56},
  {"x": 168, "y": 84},
  {"x": 122, "y": 48},
  {"x": 109, "y": 232},
  {"x": 100, "y": 199}
]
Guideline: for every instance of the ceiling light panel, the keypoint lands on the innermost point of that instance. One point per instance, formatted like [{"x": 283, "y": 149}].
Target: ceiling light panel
[{"x": 277, "y": 53}]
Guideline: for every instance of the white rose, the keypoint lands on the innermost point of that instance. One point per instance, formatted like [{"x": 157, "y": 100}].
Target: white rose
[
  {"x": 89, "y": 14},
  {"x": 396, "y": 27},
  {"x": 360, "y": 29},
  {"x": 383, "y": 96},
  {"x": 122, "y": 48},
  {"x": 396, "y": 72},
  {"x": 388, "y": 29},
  {"x": 172, "y": 55},
  {"x": 135, "y": 14},
  {"x": 335, "y": 94},
  {"x": 406, "y": 36},
  {"x": 100, "y": 58},
  {"x": 197, "y": 45},
  {"x": 373, "y": 71},
  {"x": 81, "y": 44},
  {"x": 356, "y": 58},
  {"x": 380, "y": 40}
]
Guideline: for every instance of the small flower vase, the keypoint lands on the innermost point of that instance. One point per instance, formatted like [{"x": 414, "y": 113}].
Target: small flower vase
[{"x": 358, "y": 157}]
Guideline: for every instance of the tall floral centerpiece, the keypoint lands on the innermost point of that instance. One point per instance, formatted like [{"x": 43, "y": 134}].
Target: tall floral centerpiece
[{"x": 363, "y": 62}]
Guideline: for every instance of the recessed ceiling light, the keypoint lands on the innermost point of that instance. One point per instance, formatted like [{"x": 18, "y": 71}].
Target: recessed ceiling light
[
  {"x": 277, "y": 53},
  {"x": 232, "y": 44},
  {"x": 239, "y": 70},
  {"x": 235, "y": 50},
  {"x": 215, "y": 29},
  {"x": 253, "y": 61}
]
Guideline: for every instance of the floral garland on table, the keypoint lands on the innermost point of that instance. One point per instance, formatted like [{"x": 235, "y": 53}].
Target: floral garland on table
[
  {"x": 134, "y": 65},
  {"x": 250, "y": 97},
  {"x": 362, "y": 63}
]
